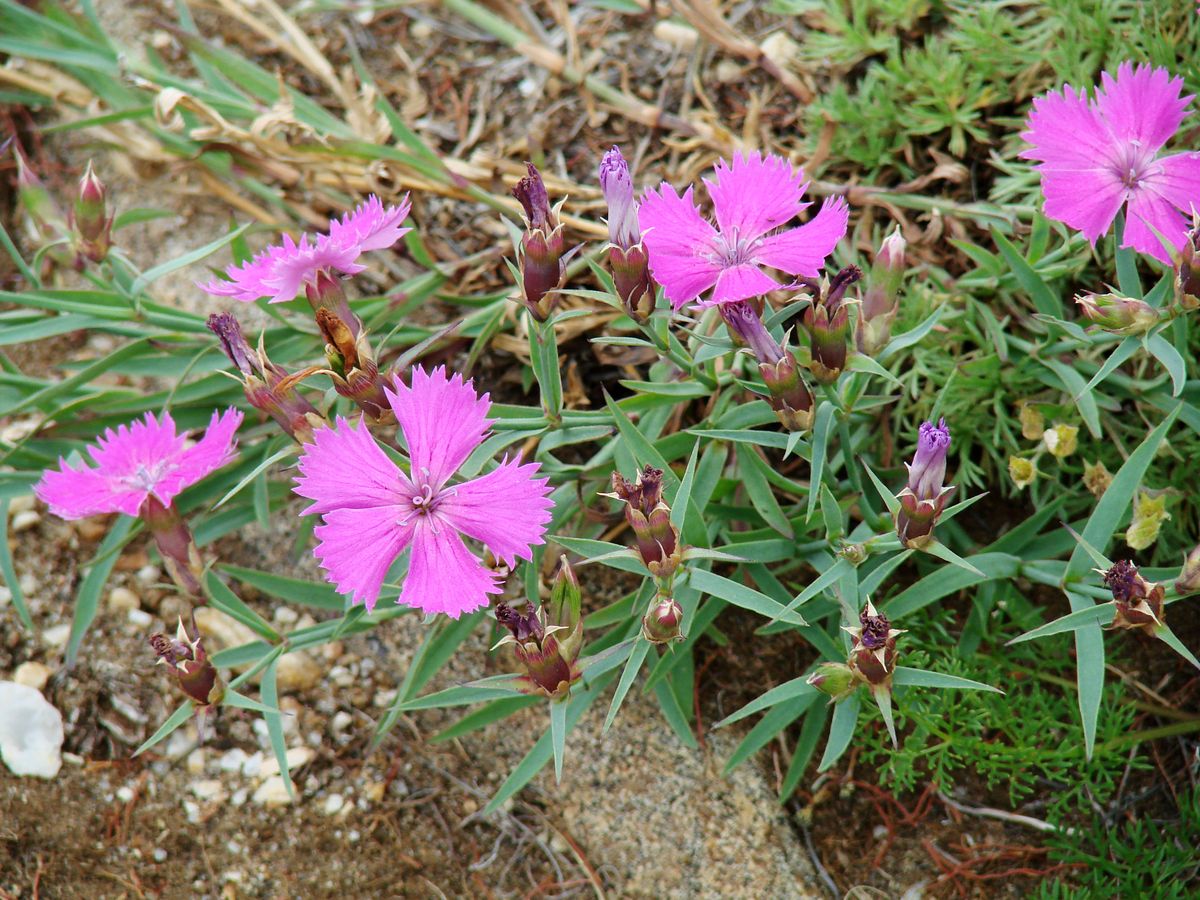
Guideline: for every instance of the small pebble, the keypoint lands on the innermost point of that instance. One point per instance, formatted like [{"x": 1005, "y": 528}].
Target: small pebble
[
  {"x": 240, "y": 796},
  {"x": 33, "y": 674},
  {"x": 160, "y": 855},
  {"x": 273, "y": 792},
  {"x": 122, "y": 599},
  {"x": 21, "y": 504},
  {"x": 334, "y": 804},
  {"x": 148, "y": 575},
  {"x": 56, "y": 636},
  {"x": 341, "y": 720},
  {"x": 233, "y": 760},
  {"x": 5, "y": 597},
  {"x": 140, "y": 618},
  {"x": 208, "y": 790},
  {"x": 23, "y": 521},
  {"x": 195, "y": 762},
  {"x": 285, "y": 615},
  {"x": 29, "y": 584},
  {"x": 125, "y": 793}
]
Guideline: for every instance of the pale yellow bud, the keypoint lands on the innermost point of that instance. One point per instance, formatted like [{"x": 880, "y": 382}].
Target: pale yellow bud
[
  {"x": 1096, "y": 477},
  {"x": 1149, "y": 512},
  {"x": 1061, "y": 440},
  {"x": 1033, "y": 425},
  {"x": 1022, "y": 471}
]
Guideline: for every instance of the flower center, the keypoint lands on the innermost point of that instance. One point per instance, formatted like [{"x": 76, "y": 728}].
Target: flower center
[
  {"x": 146, "y": 476},
  {"x": 426, "y": 499},
  {"x": 1132, "y": 164},
  {"x": 731, "y": 249}
]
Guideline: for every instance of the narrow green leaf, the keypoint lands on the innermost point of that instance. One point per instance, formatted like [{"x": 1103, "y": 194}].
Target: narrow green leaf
[
  {"x": 269, "y": 687},
  {"x": 841, "y": 731},
  {"x": 154, "y": 273},
  {"x": 759, "y": 490},
  {"x": 904, "y": 676},
  {"x": 941, "y": 551},
  {"x": 806, "y": 745},
  {"x": 1172, "y": 361},
  {"x": 1087, "y": 615},
  {"x": 224, "y": 599},
  {"x": 1168, "y": 637},
  {"x": 558, "y": 734},
  {"x": 491, "y": 688},
  {"x": 797, "y": 687},
  {"x": 177, "y": 718},
  {"x": 293, "y": 590},
  {"x": 743, "y": 596},
  {"x": 822, "y": 429},
  {"x": 887, "y": 496},
  {"x": 632, "y": 666},
  {"x": 1044, "y": 299},
  {"x": 947, "y": 581},
  {"x": 1120, "y": 354}
]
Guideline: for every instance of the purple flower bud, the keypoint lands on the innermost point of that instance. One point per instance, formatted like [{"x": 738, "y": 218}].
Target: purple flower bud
[
  {"x": 924, "y": 498},
  {"x": 827, "y": 322},
  {"x": 90, "y": 218},
  {"x": 743, "y": 320},
  {"x": 928, "y": 468},
  {"x": 662, "y": 623},
  {"x": 1117, "y": 314},
  {"x": 650, "y": 518},
  {"x": 1188, "y": 581},
  {"x": 543, "y": 255},
  {"x": 873, "y": 651},
  {"x": 617, "y": 185},
  {"x": 1187, "y": 268}
]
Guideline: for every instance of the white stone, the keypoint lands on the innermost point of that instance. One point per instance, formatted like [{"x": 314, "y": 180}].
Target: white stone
[
  {"x": 333, "y": 804},
  {"x": 208, "y": 790},
  {"x": 124, "y": 793},
  {"x": 297, "y": 758},
  {"x": 33, "y": 674},
  {"x": 285, "y": 615},
  {"x": 341, "y": 720},
  {"x": 5, "y": 596},
  {"x": 122, "y": 599},
  {"x": 140, "y": 618},
  {"x": 56, "y": 636},
  {"x": 195, "y": 762},
  {"x": 253, "y": 764},
  {"x": 148, "y": 575},
  {"x": 29, "y": 584},
  {"x": 297, "y": 671},
  {"x": 31, "y": 731},
  {"x": 239, "y": 797},
  {"x": 273, "y": 792},
  {"x": 233, "y": 760},
  {"x": 23, "y": 521}
]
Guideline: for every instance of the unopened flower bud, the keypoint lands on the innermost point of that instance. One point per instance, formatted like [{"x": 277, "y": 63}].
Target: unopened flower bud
[
  {"x": 1149, "y": 513},
  {"x": 565, "y": 608},
  {"x": 657, "y": 538},
  {"x": 790, "y": 397},
  {"x": 1117, "y": 314},
  {"x": 880, "y": 302},
  {"x": 1188, "y": 581},
  {"x": 1139, "y": 603},
  {"x": 542, "y": 256},
  {"x": 925, "y": 496},
  {"x": 268, "y": 387},
  {"x": 1061, "y": 440},
  {"x": 188, "y": 662},
  {"x": 1096, "y": 478},
  {"x": 35, "y": 198},
  {"x": 1187, "y": 269},
  {"x": 1033, "y": 423},
  {"x": 352, "y": 365},
  {"x": 90, "y": 219},
  {"x": 1022, "y": 471},
  {"x": 662, "y": 623},
  {"x": 626, "y": 255},
  {"x": 827, "y": 322},
  {"x": 837, "y": 680}
]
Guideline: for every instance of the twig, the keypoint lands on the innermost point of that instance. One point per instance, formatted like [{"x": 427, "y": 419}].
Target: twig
[
  {"x": 988, "y": 812},
  {"x": 826, "y": 878}
]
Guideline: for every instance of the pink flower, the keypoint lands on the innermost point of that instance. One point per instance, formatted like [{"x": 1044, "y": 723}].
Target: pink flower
[
  {"x": 1098, "y": 156},
  {"x": 372, "y": 510},
  {"x": 751, "y": 198},
  {"x": 280, "y": 271},
  {"x": 137, "y": 461}
]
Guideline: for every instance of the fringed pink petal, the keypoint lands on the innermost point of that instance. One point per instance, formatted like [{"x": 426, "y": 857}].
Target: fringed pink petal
[
  {"x": 214, "y": 450},
  {"x": 738, "y": 283},
  {"x": 1066, "y": 132},
  {"x": 755, "y": 194},
  {"x": 679, "y": 243},
  {"x": 1142, "y": 104},
  {"x": 371, "y": 226},
  {"x": 357, "y": 547},
  {"x": 803, "y": 250},
  {"x": 77, "y": 493},
  {"x": 506, "y": 510},
  {"x": 1163, "y": 202},
  {"x": 1087, "y": 200},
  {"x": 443, "y": 575},
  {"x": 343, "y": 467},
  {"x": 442, "y": 419}
]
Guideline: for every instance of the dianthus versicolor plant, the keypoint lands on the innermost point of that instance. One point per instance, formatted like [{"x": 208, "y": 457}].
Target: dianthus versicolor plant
[{"x": 744, "y": 467}]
